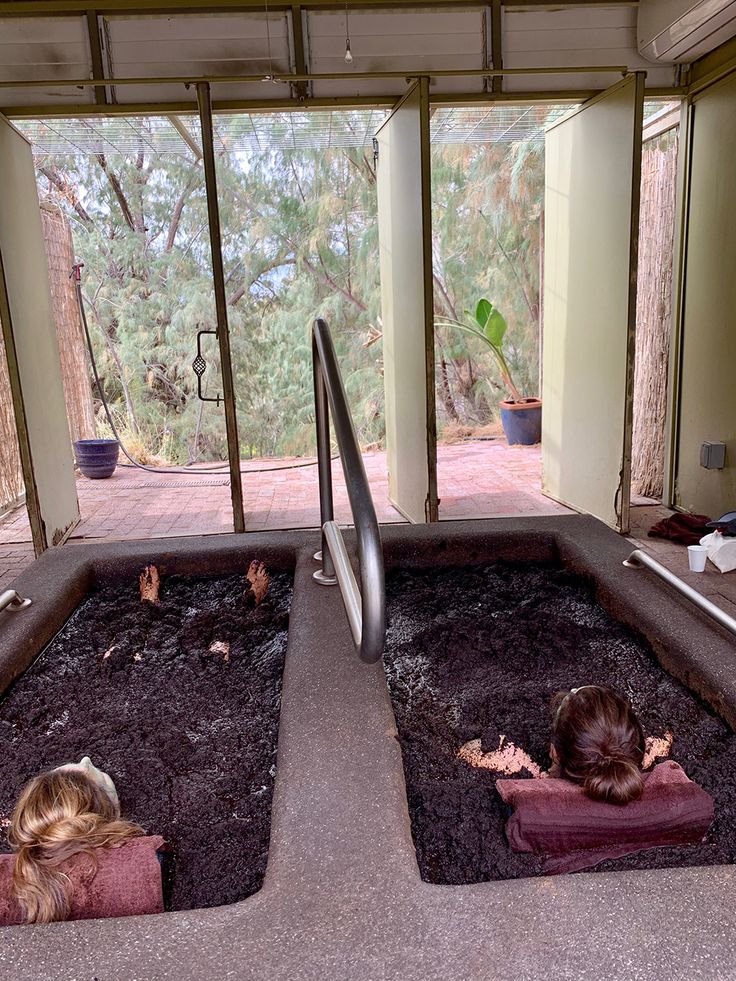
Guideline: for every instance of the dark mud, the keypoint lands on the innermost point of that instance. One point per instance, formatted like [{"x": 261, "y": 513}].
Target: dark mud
[
  {"x": 478, "y": 652},
  {"x": 188, "y": 735}
]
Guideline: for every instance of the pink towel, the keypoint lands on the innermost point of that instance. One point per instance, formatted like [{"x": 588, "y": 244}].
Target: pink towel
[
  {"x": 556, "y": 819},
  {"x": 127, "y": 882},
  {"x": 687, "y": 529}
]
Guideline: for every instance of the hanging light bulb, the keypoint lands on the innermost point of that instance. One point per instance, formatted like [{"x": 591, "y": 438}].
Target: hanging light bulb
[{"x": 348, "y": 52}]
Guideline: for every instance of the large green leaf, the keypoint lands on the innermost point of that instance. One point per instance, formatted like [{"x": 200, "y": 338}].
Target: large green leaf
[
  {"x": 483, "y": 312},
  {"x": 495, "y": 328}
]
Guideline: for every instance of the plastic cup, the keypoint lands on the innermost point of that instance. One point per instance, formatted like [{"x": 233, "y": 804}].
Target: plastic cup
[{"x": 696, "y": 556}]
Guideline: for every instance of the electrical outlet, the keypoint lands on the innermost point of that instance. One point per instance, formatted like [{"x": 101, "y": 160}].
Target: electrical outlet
[{"x": 713, "y": 456}]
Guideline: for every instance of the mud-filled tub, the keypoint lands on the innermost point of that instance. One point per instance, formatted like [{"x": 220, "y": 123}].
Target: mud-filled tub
[
  {"x": 474, "y": 656},
  {"x": 177, "y": 697},
  {"x": 343, "y": 896}
]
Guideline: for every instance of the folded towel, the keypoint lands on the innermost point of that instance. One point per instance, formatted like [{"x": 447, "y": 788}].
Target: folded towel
[
  {"x": 686, "y": 529},
  {"x": 556, "y": 819},
  {"x": 127, "y": 882}
]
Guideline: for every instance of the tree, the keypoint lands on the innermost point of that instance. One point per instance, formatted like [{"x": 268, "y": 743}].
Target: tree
[{"x": 300, "y": 240}]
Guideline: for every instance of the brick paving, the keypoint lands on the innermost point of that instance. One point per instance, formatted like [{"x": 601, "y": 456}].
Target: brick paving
[
  {"x": 502, "y": 480},
  {"x": 13, "y": 560},
  {"x": 476, "y": 479}
]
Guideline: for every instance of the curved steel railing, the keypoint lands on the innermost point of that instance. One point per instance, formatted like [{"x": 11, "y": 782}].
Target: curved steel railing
[
  {"x": 365, "y": 606},
  {"x": 10, "y": 600},
  {"x": 639, "y": 558}
]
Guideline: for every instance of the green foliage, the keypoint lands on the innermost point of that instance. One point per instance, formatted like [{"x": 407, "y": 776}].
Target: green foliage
[
  {"x": 487, "y": 221},
  {"x": 490, "y": 327},
  {"x": 300, "y": 240},
  {"x": 490, "y": 322}
]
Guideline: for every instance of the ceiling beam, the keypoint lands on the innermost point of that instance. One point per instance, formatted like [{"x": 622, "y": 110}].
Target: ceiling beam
[
  {"x": 186, "y": 136},
  {"x": 287, "y": 78},
  {"x": 496, "y": 44},
  {"x": 95, "y": 49},
  {"x": 300, "y": 51},
  {"x": 89, "y": 110},
  {"x": 31, "y": 8}
]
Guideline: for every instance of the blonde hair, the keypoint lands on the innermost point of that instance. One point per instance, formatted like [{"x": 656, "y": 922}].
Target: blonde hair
[{"x": 60, "y": 814}]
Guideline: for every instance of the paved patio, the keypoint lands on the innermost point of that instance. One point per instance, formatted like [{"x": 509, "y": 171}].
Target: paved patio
[
  {"x": 483, "y": 478},
  {"x": 476, "y": 479}
]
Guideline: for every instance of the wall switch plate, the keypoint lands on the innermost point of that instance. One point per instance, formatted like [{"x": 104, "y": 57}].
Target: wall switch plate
[{"x": 713, "y": 456}]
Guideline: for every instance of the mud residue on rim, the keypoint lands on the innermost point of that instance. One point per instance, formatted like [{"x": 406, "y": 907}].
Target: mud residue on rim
[
  {"x": 179, "y": 702},
  {"x": 477, "y": 653}
]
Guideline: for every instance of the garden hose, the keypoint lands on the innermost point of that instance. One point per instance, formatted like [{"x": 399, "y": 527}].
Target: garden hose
[{"x": 76, "y": 274}]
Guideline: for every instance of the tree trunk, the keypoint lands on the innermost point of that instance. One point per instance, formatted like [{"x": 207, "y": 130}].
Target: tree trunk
[
  {"x": 57, "y": 239},
  {"x": 653, "y": 316}
]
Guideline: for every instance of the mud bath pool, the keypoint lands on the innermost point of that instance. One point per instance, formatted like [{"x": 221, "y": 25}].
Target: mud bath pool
[
  {"x": 180, "y": 703},
  {"x": 478, "y": 652}
]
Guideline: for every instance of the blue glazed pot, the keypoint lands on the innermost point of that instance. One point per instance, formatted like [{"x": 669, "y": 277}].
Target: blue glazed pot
[
  {"x": 96, "y": 458},
  {"x": 522, "y": 422}
]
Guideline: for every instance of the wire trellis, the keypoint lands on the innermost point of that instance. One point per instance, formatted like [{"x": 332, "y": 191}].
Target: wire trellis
[{"x": 263, "y": 132}]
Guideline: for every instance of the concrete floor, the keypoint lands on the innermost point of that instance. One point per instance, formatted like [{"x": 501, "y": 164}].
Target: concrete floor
[
  {"x": 720, "y": 588},
  {"x": 342, "y": 897}
]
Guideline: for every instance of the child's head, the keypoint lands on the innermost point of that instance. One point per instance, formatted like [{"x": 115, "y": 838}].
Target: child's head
[
  {"x": 598, "y": 742},
  {"x": 62, "y": 813}
]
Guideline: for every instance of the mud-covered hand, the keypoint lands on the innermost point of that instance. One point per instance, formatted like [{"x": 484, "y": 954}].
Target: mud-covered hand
[
  {"x": 256, "y": 583},
  {"x": 150, "y": 584},
  {"x": 508, "y": 758},
  {"x": 655, "y": 748}
]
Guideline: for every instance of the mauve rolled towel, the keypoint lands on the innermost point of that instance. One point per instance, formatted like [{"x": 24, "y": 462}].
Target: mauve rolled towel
[
  {"x": 127, "y": 882},
  {"x": 686, "y": 529},
  {"x": 556, "y": 819}
]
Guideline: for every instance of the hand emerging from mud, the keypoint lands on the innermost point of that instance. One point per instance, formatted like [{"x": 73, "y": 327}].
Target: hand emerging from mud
[
  {"x": 257, "y": 580},
  {"x": 150, "y": 584},
  {"x": 508, "y": 759},
  {"x": 656, "y": 747}
]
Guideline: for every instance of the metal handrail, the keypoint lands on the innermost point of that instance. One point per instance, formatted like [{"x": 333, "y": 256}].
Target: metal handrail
[
  {"x": 365, "y": 606},
  {"x": 12, "y": 601},
  {"x": 639, "y": 558}
]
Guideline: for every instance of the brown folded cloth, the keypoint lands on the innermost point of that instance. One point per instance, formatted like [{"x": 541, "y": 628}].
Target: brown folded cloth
[
  {"x": 556, "y": 819},
  {"x": 686, "y": 529},
  {"x": 127, "y": 882}
]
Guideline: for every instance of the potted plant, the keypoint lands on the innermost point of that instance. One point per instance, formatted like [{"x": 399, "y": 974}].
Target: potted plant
[{"x": 521, "y": 417}]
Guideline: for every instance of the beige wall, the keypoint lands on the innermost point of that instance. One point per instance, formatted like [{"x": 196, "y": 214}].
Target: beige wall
[
  {"x": 406, "y": 306},
  {"x": 591, "y": 188},
  {"x": 32, "y": 349},
  {"x": 708, "y": 393}
]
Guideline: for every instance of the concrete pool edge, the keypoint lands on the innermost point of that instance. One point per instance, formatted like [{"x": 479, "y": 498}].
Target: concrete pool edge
[{"x": 342, "y": 896}]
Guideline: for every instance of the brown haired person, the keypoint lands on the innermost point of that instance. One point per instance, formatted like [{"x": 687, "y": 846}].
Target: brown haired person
[
  {"x": 75, "y": 857},
  {"x": 596, "y": 742},
  {"x": 603, "y": 802}
]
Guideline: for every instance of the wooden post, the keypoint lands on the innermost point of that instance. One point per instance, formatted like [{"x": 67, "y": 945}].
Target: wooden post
[
  {"x": 11, "y": 471},
  {"x": 223, "y": 332},
  {"x": 654, "y": 314}
]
